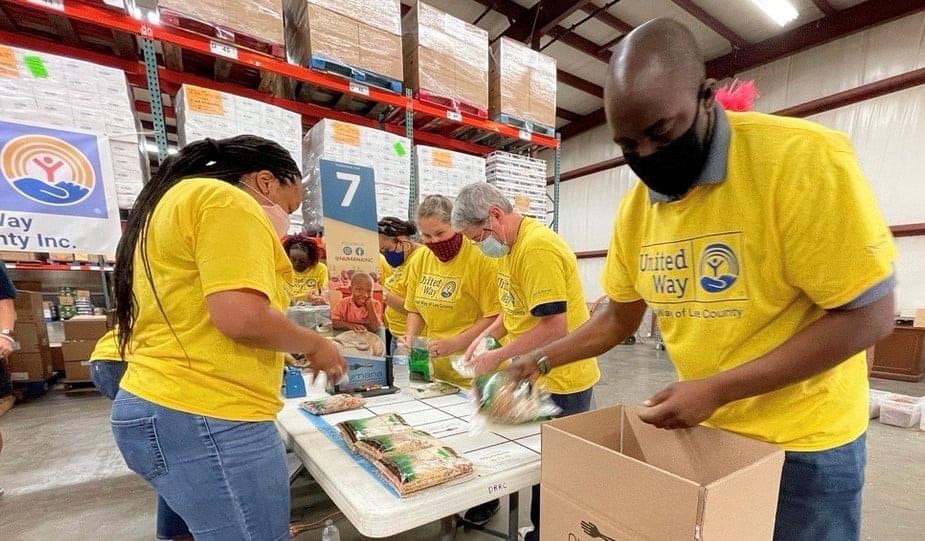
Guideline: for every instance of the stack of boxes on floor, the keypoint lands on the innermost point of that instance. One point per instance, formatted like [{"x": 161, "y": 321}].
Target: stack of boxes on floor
[
  {"x": 444, "y": 172},
  {"x": 523, "y": 87},
  {"x": 351, "y": 37},
  {"x": 387, "y": 154},
  {"x": 522, "y": 180},
  {"x": 68, "y": 94},
  {"x": 33, "y": 361},
  {"x": 446, "y": 60},
  {"x": 203, "y": 112},
  {"x": 80, "y": 336}
]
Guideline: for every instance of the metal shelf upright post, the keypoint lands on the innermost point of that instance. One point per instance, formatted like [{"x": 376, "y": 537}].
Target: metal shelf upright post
[
  {"x": 556, "y": 164},
  {"x": 157, "y": 105},
  {"x": 409, "y": 133}
]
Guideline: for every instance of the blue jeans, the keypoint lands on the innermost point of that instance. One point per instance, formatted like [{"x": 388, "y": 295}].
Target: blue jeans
[
  {"x": 106, "y": 375},
  {"x": 226, "y": 479},
  {"x": 820, "y": 494},
  {"x": 570, "y": 404}
]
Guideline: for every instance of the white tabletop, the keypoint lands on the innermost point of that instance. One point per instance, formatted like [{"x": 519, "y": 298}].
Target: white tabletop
[{"x": 506, "y": 460}]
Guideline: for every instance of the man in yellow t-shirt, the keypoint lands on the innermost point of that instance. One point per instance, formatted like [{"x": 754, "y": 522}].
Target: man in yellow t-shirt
[
  {"x": 759, "y": 245},
  {"x": 540, "y": 294}
]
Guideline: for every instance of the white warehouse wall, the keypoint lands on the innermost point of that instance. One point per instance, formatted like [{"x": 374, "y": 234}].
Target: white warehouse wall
[{"x": 888, "y": 133}]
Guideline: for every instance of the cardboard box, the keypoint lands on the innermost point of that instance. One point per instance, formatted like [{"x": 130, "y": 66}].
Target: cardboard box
[
  {"x": 30, "y": 366},
  {"x": 57, "y": 358},
  {"x": 27, "y": 285},
  {"x": 32, "y": 337},
  {"x": 449, "y": 57},
  {"x": 261, "y": 20},
  {"x": 522, "y": 83},
  {"x": 77, "y": 350},
  {"x": 636, "y": 482},
  {"x": 22, "y": 257},
  {"x": 77, "y": 370},
  {"x": 29, "y": 307},
  {"x": 919, "y": 318},
  {"x": 85, "y": 328}
]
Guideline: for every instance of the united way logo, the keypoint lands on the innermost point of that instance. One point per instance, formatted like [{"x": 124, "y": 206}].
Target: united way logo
[
  {"x": 719, "y": 268},
  {"x": 448, "y": 289},
  {"x": 50, "y": 171}
]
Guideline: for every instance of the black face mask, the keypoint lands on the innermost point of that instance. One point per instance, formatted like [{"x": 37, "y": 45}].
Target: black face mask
[{"x": 672, "y": 169}]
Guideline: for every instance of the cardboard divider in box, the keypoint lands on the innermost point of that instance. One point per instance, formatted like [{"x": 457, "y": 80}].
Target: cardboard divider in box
[
  {"x": 357, "y": 39},
  {"x": 253, "y": 24},
  {"x": 54, "y": 91},
  {"x": 444, "y": 172},
  {"x": 522, "y": 88},
  {"x": 635, "y": 481},
  {"x": 387, "y": 154},
  {"x": 446, "y": 60},
  {"x": 203, "y": 112}
]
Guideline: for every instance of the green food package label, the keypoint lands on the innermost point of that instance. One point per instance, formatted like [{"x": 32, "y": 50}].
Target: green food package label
[
  {"x": 36, "y": 66},
  {"x": 399, "y": 149}
]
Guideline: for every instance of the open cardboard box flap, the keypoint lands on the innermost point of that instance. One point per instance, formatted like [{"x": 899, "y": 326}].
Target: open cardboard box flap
[{"x": 660, "y": 484}]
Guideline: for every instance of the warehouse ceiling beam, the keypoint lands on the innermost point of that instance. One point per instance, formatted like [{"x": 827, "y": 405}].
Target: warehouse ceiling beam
[
  {"x": 825, "y": 7},
  {"x": 608, "y": 18},
  {"x": 565, "y": 114},
  {"x": 605, "y": 48},
  {"x": 847, "y": 21},
  {"x": 712, "y": 23},
  {"x": 542, "y": 18},
  {"x": 577, "y": 82}
]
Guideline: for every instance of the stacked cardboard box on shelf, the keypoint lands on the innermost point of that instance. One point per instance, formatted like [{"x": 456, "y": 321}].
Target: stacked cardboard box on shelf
[
  {"x": 33, "y": 360},
  {"x": 203, "y": 112},
  {"x": 355, "y": 33},
  {"x": 254, "y": 24},
  {"x": 446, "y": 59},
  {"x": 444, "y": 172},
  {"x": 522, "y": 179},
  {"x": 80, "y": 336},
  {"x": 389, "y": 155},
  {"x": 523, "y": 84},
  {"x": 70, "y": 94}
]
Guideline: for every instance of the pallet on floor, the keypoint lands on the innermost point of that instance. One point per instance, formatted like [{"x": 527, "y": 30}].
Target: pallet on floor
[
  {"x": 79, "y": 386},
  {"x": 361, "y": 76},
  {"x": 530, "y": 126}
]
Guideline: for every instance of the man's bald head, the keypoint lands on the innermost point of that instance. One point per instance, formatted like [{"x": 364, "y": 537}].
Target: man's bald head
[{"x": 655, "y": 75}]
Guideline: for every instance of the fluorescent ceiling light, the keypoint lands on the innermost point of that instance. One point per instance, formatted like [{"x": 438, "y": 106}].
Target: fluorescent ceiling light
[{"x": 781, "y": 11}]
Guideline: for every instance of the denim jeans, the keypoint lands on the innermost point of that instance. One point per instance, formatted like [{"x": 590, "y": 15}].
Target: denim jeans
[
  {"x": 820, "y": 494},
  {"x": 106, "y": 375},
  {"x": 570, "y": 404},
  {"x": 226, "y": 479}
]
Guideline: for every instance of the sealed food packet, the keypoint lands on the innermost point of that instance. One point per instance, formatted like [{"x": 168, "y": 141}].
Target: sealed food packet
[
  {"x": 378, "y": 447},
  {"x": 432, "y": 390},
  {"x": 333, "y": 404},
  {"x": 358, "y": 429},
  {"x": 424, "y": 468},
  {"x": 504, "y": 400},
  {"x": 467, "y": 370}
]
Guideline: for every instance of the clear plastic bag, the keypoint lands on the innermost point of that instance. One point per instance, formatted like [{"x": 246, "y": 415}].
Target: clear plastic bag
[
  {"x": 501, "y": 399},
  {"x": 378, "y": 447},
  {"x": 467, "y": 370},
  {"x": 424, "y": 468},
  {"x": 381, "y": 425},
  {"x": 420, "y": 367},
  {"x": 333, "y": 404}
]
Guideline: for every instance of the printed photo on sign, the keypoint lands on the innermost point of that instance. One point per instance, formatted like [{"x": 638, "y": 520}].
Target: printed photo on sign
[{"x": 57, "y": 192}]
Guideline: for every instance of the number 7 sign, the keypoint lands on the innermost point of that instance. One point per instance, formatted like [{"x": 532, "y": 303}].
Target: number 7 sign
[{"x": 348, "y": 193}]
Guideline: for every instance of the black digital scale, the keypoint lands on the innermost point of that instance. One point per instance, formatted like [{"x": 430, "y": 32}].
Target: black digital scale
[{"x": 368, "y": 376}]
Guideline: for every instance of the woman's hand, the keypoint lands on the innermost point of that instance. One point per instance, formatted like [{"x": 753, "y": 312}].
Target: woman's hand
[
  {"x": 325, "y": 358},
  {"x": 442, "y": 348}
]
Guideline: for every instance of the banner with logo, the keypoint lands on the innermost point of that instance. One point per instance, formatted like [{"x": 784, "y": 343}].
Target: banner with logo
[
  {"x": 351, "y": 239},
  {"x": 57, "y": 192}
]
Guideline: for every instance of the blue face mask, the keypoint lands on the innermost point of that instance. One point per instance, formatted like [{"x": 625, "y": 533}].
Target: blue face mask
[
  {"x": 493, "y": 247},
  {"x": 394, "y": 257}
]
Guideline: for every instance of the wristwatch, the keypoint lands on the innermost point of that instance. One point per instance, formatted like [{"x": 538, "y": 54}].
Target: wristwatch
[{"x": 542, "y": 361}]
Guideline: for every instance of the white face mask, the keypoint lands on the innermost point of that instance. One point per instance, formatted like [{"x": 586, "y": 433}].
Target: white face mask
[{"x": 278, "y": 217}]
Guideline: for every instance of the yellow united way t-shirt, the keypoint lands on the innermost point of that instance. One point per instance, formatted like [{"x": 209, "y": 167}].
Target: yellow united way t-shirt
[
  {"x": 735, "y": 269},
  {"x": 397, "y": 284},
  {"x": 311, "y": 281},
  {"x": 541, "y": 269},
  {"x": 451, "y": 297},
  {"x": 205, "y": 236},
  {"x": 107, "y": 347}
]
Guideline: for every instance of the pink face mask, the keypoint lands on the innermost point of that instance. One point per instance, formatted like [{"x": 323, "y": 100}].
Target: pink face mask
[{"x": 278, "y": 217}]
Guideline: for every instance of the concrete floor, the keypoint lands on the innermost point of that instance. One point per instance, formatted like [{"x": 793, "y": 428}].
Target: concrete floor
[{"x": 64, "y": 478}]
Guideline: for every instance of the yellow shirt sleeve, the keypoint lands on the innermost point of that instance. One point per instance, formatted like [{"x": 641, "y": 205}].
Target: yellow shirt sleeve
[
  {"x": 543, "y": 279},
  {"x": 322, "y": 276},
  {"x": 616, "y": 281},
  {"x": 222, "y": 268},
  {"x": 836, "y": 243},
  {"x": 487, "y": 293}
]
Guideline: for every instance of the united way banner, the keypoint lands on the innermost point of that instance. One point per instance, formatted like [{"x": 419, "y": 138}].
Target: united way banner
[{"x": 56, "y": 191}]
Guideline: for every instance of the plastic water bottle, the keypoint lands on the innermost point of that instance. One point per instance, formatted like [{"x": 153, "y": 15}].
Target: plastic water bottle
[{"x": 330, "y": 532}]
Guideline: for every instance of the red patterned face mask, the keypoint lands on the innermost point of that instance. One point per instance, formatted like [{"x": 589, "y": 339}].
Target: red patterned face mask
[{"x": 446, "y": 250}]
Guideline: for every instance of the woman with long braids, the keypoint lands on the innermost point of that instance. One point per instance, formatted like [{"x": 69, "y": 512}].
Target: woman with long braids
[{"x": 202, "y": 322}]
